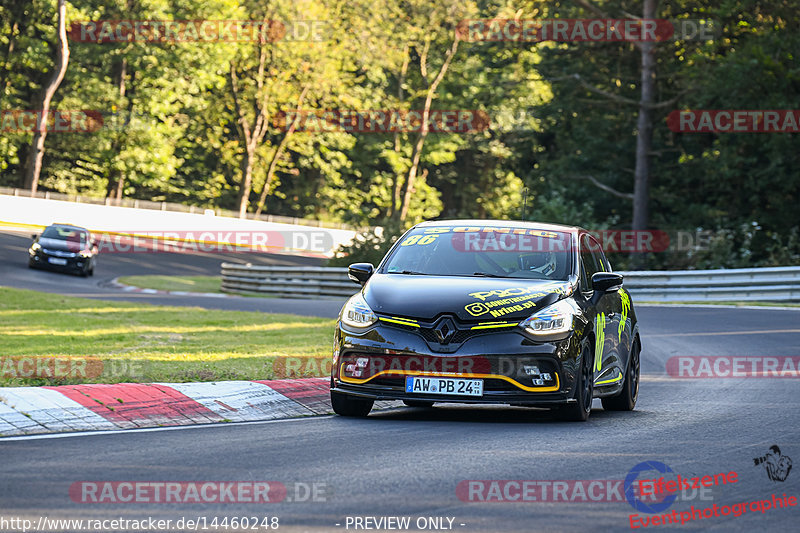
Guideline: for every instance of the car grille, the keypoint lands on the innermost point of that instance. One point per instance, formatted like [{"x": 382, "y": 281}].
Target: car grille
[
  {"x": 462, "y": 333},
  {"x": 58, "y": 253}
]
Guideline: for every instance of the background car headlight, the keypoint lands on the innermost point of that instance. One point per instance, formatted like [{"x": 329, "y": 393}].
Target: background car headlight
[
  {"x": 556, "y": 318},
  {"x": 36, "y": 247},
  {"x": 357, "y": 314}
]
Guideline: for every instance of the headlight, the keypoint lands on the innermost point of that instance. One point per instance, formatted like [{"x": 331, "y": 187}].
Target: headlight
[
  {"x": 85, "y": 254},
  {"x": 36, "y": 247},
  {"x": 556, "y": 318},
  {"x": 357, "y": 314}
]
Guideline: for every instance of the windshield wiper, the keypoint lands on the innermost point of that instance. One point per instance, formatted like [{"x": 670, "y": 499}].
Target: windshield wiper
[
  {"x": 410, "y": 273},
  {"x": 488, "y": 275}
]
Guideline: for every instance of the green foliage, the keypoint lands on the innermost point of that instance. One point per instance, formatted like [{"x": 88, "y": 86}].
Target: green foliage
[
  {"x": 172, "y": 132},
  {"x": 369, "y": 246}
]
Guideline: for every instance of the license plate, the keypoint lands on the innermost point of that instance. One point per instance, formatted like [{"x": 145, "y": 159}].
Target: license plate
[
  {"x": 56, "y": 261},
  {"x": 458, "y": 387}
]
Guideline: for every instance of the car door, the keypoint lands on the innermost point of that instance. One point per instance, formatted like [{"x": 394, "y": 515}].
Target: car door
[
  {"x": 606, "y": 314},
  {"x": 623, "y": 323}
]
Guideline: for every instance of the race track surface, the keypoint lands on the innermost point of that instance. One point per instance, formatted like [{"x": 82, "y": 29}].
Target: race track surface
[{"x": 14, "y": 272}]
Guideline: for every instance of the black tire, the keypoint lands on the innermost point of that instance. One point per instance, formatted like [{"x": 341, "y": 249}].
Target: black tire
[
  {"x": 584, "y": 389},
  {"x": 84, "y": 272},
  {"x": 346, "y": 405},
  {"x": 626, "y": 399},
  {"x": 418, "y": 403},
  {"x": 31, "y": 264}
]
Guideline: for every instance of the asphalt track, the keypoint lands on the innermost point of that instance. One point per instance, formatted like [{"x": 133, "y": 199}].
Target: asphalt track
[
  {"x": 14, "y": 272},
  {"x": 409, "y": 462}
]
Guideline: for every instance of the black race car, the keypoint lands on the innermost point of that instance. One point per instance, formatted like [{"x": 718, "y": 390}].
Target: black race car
[
  {"x": 64, "y": 247},
  {"x": 476, "y": 311}
]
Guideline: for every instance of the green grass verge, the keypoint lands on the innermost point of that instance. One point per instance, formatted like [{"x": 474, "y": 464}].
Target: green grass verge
[
  {"x": 737, "y": 304},
  {"x": 146, "y": 343},
  {"x": 175, "y": 283}
]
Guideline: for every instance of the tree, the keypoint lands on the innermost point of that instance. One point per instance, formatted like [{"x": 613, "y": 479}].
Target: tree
[{"x": 33, "y": 166}]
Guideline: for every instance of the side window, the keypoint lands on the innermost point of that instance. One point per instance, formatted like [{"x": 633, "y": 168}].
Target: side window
[
  {"x": 588, "y": 262},
  {"x": 599, "y": 257}
]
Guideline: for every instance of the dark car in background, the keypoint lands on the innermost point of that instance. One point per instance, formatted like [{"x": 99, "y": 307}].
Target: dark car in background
[
  {"x": 477, "y": 311},
  {"x": 64, "y": 247}
]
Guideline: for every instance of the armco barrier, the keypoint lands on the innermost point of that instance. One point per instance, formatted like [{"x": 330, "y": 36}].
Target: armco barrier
[
  {"x": 779, "y": 284},
  {"x": 288, "y": 282}
]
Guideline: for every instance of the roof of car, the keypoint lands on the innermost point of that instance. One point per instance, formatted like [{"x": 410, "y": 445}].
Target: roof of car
[
  {"x": 501, "y": 223},
  {"x": 69, "y": 226}
]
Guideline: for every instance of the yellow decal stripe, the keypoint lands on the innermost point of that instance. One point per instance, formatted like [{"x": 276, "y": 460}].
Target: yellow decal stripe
[
  {"x": 399, "y": 321},
  {"x": 545, "y": 388},
  {"x": 612, "y": 380}
]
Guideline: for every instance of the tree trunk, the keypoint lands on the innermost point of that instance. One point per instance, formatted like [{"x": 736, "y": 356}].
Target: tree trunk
[
  {"x": 644, "y": 137},
  {"x": 247, "y": 179},
  {"x": 273, "y": 164},
  {"x": 121, "y": 73},
  {"x": 33, "y": 166},
  {"x": 249, "y": 137},
  {"x": 408, "y": 188}
]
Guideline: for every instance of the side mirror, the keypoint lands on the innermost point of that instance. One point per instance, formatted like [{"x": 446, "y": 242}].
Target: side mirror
[
  {"x": 606, "y": 281},
  {"x": 360, "y": 272},
  {"x": 35, "y": 236}
]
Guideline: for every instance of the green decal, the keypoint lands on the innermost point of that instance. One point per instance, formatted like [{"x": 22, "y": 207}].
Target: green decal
[
  {"x": 600, "y": 331},
  {"x": 626, "y": 304}
]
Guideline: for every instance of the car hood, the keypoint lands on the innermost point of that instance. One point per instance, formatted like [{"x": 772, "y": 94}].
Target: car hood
[
  {"x": 60, "y": 244},
  {"x": 471, "y": 299}
]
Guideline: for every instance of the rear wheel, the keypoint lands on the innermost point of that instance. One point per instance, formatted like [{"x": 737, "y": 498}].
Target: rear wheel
[
  {"x": 626, "y": 399},
  {"x": 346, "y": 405},
  {"x": 584, "y": 389},
  {"x": 418, "y": 403}
]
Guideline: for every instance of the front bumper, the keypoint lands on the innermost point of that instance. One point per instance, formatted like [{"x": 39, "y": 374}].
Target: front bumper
[
  {"x": 515, "y": 368},
  {"x": 71, "y": 261}
]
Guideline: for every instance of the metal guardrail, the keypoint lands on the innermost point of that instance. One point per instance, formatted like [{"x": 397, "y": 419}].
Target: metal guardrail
[
  {"x": 776, "y": 284},
  {"x": 779, "y": 284},
  {"x": 288, "y": 282}
]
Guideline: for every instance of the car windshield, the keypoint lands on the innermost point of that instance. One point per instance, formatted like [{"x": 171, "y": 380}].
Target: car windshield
[
  {"x": 483, "y": 252},
  {"x": 64, "y": 234}
]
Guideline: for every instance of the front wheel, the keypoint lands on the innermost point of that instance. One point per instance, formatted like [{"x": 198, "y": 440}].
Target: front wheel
[
  {"x": 626, "y": 399},
  {"x": 584, "y": 390},
  {"x": 346, "y": 405}
]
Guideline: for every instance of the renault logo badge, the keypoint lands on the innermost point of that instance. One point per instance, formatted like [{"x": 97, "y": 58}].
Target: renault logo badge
[{"x": 444, "y": 330}]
